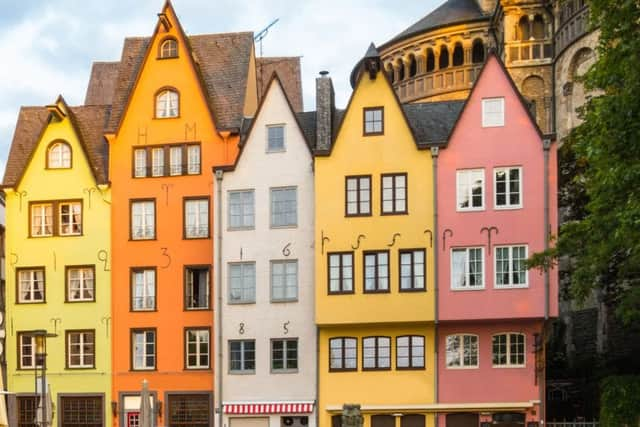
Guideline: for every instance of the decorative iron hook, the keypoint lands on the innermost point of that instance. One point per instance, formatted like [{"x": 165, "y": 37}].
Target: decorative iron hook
[
  {"x": 360, "y": 237},
  {"x": 56, "y": 321},
  {"x": 393, "y": 242},
  {"x": 427, "y": 231},
  {"x": 324, "y": 240},
  {"x": 489, "y": 230},
  {"x": 444, "y": 237}
]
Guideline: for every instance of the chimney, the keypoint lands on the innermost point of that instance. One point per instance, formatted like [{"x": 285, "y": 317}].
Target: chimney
[{"x": 325, "y": 106}]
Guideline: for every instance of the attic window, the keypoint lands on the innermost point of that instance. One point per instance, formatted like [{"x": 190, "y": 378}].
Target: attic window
[
  {"x": 492, "y": 112},
  {"x": 59, "y": 155},
  {"x": 167, "y": 104},
  {"x": 373, "y": 121},
  {"x": 169, "y": 49}
]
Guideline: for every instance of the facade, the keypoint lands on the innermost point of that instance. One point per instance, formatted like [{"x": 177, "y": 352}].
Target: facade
[
  {"x": 265, "y": 330},
  {"x": 58, "y": 281},
  {"x": 491, "y": 310}
]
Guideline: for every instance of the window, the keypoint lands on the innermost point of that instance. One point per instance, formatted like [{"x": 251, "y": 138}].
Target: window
[
  {"x": 394, "y": 193},
  {"x": 41, "y": 219},
  {"x": 80, "y": 349},
  {"x": 242, "y": 282},
  {"x": 284, "y": 355},
  {"x": 144, "y": 349},
  {"x": 143, "y": 223},
  {"x": 242, "y": 356},
  {"x": 157, "y": 161},
  {"x": 284, "y": 280},
  {"x": 410, "y": 352},
  {"x": 197, "y": 349},
  {"x": 376, "y": 271},
  {"x": 467, "y": 268},
  {"x": 470, "y": 190},
  {"x": 284, "y": 210},
  {"x": 196, "y": 292},
  {"x": 462, "y": 351},
  {"x": 193, "y": 159},
  {"x": 373, "y": 121},
  {"x": 341, "y": 273},
  {"x": 140, "y": 163},
  {"x": 275, "y": 138},
  {"x": 30, "y": 285},
  {"x": 166, "y": 160},
  {"x": 343, "y": 354},
  {"x": 143, "y": 289},
  {"x": 80, "y": 284},
  {"x": 376, "y": 353},
  {"x": 59, "y": 156},
  {"x": 492, "y": 112},
  {"x": 169, "y": 49},
  {"x": 167, "y": 104},
  {"x": 412, "y": 270},
  {"x": 241, "y": 209},
  {"x": 196, "y": 218},
  {"x": 70, "y": 218},
  {"x": 358, "y": 195},
  {"x": 189, "y": 410},
  {"x": 175, "y": 160},
  {"x": 86, "y": 411},
  {"x": 27, "y": 349},
  {"x": 27, "y": 411},
  {"x": 66, "y": 222},
  {"x": 507, "y": 187},
  {"x": 508, "y": 349},
  {"x": 511, "y": 270}
]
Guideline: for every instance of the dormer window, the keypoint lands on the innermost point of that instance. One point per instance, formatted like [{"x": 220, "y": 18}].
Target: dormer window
[
  {"x": 167, "y": 104},
  {"x": 169, "y": 49},
  {"x": 59, "y": 156}
]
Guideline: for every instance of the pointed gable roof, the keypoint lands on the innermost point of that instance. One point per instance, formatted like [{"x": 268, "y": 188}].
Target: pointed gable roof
[
  {"x": 102, "y": 83},
  {"x": 288, "y": 69}
]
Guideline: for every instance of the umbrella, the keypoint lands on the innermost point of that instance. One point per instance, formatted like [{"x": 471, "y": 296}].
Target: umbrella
[{"x": 146, "y": 414}]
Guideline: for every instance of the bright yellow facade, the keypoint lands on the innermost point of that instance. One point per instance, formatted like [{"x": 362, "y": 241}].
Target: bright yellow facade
[
  {"x": 53, "y": 254},
  {"x": 390, "y": 314}
]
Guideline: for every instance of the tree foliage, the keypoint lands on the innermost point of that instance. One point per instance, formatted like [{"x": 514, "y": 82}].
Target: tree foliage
[
  {"x": 601, "y": 238},
  {"x": 620, "y": 401}
]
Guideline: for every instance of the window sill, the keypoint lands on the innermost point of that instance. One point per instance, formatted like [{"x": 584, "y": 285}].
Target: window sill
[
  {"x": 341, "y": 293},
  {"x": 196, "y": 238},
  {"x": 478, "y": 288},
  {"x": 410, "y": 368},
  {"x": 394, "y": 213},
  {"x": 79, "y": 368},
  {"x": 509, "y": 366},
  {"x": 248, "y": 228},
  {"x": 338, "y": 370},
  {"x": 381, "y": 291},
  {"x": 143, "y": 310},
  {"x": 507, "y": 208},
  {"x": 80, "y": 301},
  {"x": 357, "y": 215},
  {"x": 470, "y": 209},
  {"x": 284, "y": 371},
  {"x": 252, "y": 372},
  {"x": 241, "y": 302},
  {"x": 143, "y": 369},
  {"x": 195, "y": 368},
  {"x": 463, "y": 368},
  {"x": 281, "y": 150},
  {"x": 148, "y": 239},
  {"x": 280, "y": 227},
  {"x": 30, "y": 302},
  {"x": 197, "y": 309},
  {"x": 280, "y": 301},
  {"x": 412, "y": 290},
  {"x": 507, "y": 287}
]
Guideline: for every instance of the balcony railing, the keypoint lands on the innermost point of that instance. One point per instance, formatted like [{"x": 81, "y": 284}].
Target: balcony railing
[
  {"x": 437, "y": 82},
  {"x": 573, "y": 28},
  {"x": 529, "y": 51}
]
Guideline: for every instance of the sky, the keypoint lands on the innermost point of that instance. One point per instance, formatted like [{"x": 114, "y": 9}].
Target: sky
[{"x": 48, "y": 46}]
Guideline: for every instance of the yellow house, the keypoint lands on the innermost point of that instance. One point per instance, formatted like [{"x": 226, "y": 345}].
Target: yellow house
[
  {"x": 58, "y": 263},
  {"x": 375, "y": 260}
]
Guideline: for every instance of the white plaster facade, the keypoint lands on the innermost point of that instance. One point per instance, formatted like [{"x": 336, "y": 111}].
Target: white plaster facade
[{"x": 264, "y": 320}]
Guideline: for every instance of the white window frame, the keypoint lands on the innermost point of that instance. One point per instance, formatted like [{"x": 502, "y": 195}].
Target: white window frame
[
  {"x": 467, "y": 273},
  {"x": 202, "y": 336},
  {"x": 148, "y": 231},
  {"x": 510, "y": 285},
  {"x": 508, "y": 204},
  {"x": 44, "y": 228},
  {"x": 244, "y": 212},
  {"x": 86, "y": 282},
  {"x": 167, "y": 104},
  {"x": 75, "y": 209},
  {"x": 157, "y": 161},
  {"x": 27, "y": 349},
  {"x": 30, "y": 282},
  {"x": 83, "y": 335},
  {"x": 274, "y": 213},
  {"x": 196, "y": 223},
  {"x": 284, "y": 138},
  {"x": 169, "y": 48},
  {"x": 243, "y": 289},
  {"x": 285, "y": 263},
  {"x": 190, "y": 271},
  {"x": 468, "y": 177},
  {"x": 175, "y": 160},
  {"x": 286, "y": 361},
  {"x": 145, "y": 290},
  {"x": 59, "y": 156},
  {"x": 143, "y": 351},
  {"x": 243, "y": 357},
  {"x": 461, "y": 352},
  {"x": 493, "y": 118},
  {"x": 508, "y": 350},
  {"x": 194, "y": 159},
  {"x": 140, "y": 163}
]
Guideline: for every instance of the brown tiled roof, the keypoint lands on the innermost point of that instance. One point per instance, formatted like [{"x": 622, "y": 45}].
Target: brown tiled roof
[
  {"x": 89, "y": 122},
  {"x": 102, "y": 83},
  {"x": 223, "y": 63},
  {"x": 288, "y": 70}
]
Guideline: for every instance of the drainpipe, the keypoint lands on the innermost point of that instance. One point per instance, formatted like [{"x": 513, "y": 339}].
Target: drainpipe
[
  {"x": 546, "y": 146},
  {"x": 434, "y": 168},
  {"x": 317, "y": 375},
  {"x": 219, "y": 174}
]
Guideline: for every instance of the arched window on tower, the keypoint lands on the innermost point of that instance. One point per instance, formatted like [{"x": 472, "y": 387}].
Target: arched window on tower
[
  {"x": 413, "y": 66},
  {"x": 523, "y": 28},
  {"x": 458, "y": 55},
  {"x": 400, "y": 68},
  {"x": 444, "y": 57},
  {"x": 431, "y": 60},
  {"x": 538, "y": 28},
  {"x": 390, "y": 73},
  {"x": 477, "y": 53}
]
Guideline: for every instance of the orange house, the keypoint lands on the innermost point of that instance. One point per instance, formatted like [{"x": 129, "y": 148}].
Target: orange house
[{"x": 177, "y": 108}]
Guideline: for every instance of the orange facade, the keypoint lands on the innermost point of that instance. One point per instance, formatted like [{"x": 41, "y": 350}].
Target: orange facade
[{"x": 157, "y": 173}]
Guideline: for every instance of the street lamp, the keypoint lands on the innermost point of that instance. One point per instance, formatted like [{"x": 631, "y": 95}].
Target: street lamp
[{"x": 39, "y": 337}]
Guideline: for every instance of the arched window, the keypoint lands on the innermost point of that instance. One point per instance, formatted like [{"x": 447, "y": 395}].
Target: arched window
[
  {"x": 431, "y": 60},
  {"x": 59, "y": 155},
  {"x": 538, "y": 28},
  {"x": 167, "y": 104},
  {"x": 444, "y": 57},
  {"x": 390, "y": 73},
  {"x": 413, "y": 66},
  {"x": 477, "y": 53},
  {"x": 458, "y": 55},
  {"x": 169, "y": 49},
  {"x": 400, "y": 70},
  {"x": 523, "y": 28}
]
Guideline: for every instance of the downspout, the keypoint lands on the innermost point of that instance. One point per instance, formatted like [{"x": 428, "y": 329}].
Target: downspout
[
  {"x": 317, "y": 374},
  {"x": 434, "y": 169},
  {"x": 546, "y": 146},
  {"x": 219, "y": 176}
]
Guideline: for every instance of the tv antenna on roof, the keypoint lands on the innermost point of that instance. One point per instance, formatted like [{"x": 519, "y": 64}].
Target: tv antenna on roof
[{"x": 262, "y": 34}]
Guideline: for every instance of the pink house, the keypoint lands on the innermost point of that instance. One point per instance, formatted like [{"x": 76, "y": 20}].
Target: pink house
[{"x": 496, "y": 204}]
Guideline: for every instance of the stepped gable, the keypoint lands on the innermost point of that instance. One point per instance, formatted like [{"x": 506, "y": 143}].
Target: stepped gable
[
  {"x": 223, "y": 62},
  {"x": 449, "y": 13},
  {"x": 288, "y": 70},
  {"x": 432, "y": 122},
  {"x": 102, "y": 83}
]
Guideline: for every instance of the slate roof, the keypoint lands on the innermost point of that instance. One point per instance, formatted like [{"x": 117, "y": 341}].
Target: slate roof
[
  {"x": 450, "y": 12},
  {"x": 102, "y": 83},
  {"x": 288, "y": 70},
  {"x": 432, "y": 122}
]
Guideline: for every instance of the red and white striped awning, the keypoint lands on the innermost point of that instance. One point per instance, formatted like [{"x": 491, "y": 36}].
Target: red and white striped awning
[{"x": 304, "y": 407}]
